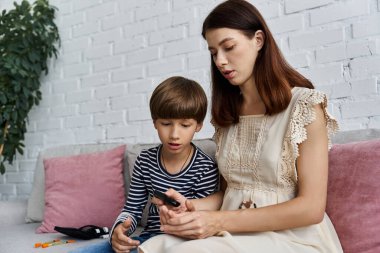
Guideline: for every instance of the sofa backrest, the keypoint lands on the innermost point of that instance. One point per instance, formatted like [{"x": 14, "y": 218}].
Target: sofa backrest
[
  {"x": 36, "y": 201},
  {"x": 353, "y": 195},
  {"x": 356, "y": 135}
]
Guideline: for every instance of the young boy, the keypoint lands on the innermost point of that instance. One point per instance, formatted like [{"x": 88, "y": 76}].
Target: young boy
[{"x": 178, "y": 107}]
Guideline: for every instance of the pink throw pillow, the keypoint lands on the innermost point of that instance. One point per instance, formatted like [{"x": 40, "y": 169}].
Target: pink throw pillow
[
  {"x": 353, "y": 202},
  {"x": 85, "y": 189}
]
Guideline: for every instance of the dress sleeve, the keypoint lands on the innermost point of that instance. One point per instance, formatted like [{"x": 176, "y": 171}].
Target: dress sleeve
[{"x": 304, "y": 113}]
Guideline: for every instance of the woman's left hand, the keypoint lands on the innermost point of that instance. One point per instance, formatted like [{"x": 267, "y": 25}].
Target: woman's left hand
[
  {"x": 185, "y": 205},
  {"x": 191, "y": 225}
]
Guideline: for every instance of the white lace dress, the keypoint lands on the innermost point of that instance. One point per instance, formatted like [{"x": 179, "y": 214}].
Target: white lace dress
[{"x": 257, "y": 158}]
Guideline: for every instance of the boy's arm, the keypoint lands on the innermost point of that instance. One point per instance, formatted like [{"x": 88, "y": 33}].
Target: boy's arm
[{"x": 136, "y": 201}]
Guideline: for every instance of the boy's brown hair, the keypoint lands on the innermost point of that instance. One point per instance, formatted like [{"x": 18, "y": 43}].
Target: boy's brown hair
[{"x": 178, "y": 98}]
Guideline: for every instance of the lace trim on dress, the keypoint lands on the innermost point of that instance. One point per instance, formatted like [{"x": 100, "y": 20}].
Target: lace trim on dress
[
  {"x": 287, "y": 175},
  {"x": 245, "y": 142},
  {"x": 304, "y": 113}
]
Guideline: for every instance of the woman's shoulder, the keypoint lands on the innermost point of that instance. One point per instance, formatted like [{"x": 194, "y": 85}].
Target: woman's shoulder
[
  {"x": 310, "y": 96},
  {"x": 303, "y": 113}
]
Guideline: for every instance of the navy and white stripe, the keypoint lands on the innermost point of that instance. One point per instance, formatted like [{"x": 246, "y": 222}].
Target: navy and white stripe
[{"x": 198, "y": 179}]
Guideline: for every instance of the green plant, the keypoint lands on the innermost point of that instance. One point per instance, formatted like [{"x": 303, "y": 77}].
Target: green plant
[{"x": 28, "y": 38}]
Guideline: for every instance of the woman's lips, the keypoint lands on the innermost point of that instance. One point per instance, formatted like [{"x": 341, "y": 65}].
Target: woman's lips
[{"x": 229, "y": 74}]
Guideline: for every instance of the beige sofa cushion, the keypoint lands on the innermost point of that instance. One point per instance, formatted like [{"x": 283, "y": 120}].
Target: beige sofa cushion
[{"x": 356, "y": 135}]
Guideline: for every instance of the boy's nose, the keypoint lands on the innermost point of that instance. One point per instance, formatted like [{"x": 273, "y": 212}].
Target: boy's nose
[{"x": 174, "y": 133}]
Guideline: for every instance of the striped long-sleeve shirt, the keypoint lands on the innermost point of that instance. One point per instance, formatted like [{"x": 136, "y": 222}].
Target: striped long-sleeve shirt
[{"x": 198, "y": 179}]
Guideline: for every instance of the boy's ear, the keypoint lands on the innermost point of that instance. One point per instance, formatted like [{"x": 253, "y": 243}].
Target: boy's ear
[
  {"x": 154, "y": 123},
  {"x": 199, "y": 127}
]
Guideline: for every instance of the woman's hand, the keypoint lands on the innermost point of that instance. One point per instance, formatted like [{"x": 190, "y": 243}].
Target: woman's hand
[
  {"x": 174, "y": 195},
  {"x": 165, "y": 214},
  {"x": 121, "y": 242},
  {"x": 191, "y": 225},
  {"x": 185, "y": 205}
]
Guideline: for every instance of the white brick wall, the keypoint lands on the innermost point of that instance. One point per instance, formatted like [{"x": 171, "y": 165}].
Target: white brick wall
[
  {"x": 114, "y": 52},
  {"x": 339, "y": 11}
]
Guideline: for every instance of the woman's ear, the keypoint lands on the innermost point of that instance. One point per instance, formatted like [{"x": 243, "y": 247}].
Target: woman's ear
[{"x": 259, "y": 39}]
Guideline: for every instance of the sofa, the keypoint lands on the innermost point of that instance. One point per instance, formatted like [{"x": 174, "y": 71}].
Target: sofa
[{"x": 353, "y": 193}]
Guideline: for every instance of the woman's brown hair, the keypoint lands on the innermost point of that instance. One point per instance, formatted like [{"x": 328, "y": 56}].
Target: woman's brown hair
[
  {"x": 178, "y": 98},
  {"x": 273, "y": 76}
]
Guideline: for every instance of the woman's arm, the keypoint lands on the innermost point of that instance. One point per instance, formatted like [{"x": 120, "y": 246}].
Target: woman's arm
[
  {"x": 211, "y": 202},
  {"x": 305, "y": 209}
]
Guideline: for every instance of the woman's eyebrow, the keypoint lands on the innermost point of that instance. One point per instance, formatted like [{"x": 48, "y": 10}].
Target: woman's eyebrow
[{"x": 222, "y": 41}]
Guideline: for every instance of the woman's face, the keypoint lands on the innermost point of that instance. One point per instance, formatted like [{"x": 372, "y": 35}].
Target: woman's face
[{"x": 234, "y": 53}]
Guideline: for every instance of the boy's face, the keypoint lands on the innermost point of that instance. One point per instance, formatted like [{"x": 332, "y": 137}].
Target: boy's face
[{"x": 176, "y": 134}]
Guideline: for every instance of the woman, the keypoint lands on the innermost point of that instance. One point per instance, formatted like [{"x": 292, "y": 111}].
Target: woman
[{"x": 272, "y": 136}]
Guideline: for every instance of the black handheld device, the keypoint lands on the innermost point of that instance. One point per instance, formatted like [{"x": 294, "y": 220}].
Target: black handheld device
[{"x": 167, "y": 200}]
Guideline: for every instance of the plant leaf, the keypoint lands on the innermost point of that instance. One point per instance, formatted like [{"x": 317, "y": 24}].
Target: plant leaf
[{"x": 28, "y": 38}]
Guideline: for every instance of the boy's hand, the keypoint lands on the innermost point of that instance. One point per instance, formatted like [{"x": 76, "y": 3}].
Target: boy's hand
[
  {"x": 165, "y": 210},
  {"x": 121, "y": 242},
  {"x": 166, "y": 214}
]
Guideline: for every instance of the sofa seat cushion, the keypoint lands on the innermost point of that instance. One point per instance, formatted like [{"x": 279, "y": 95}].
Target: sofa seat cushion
[
  {"x": 21, "y": 238},
  {"x": 353, "y": 202}
]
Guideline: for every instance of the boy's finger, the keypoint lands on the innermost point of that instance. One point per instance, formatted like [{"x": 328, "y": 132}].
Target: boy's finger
[
  {"x": 123, "y": 248},
  {"x": 172, "y": 193},
  {"x": 126, "y": 224},
  {"x": 157, "y": 201},
  {"x": 133, "y": 242}
]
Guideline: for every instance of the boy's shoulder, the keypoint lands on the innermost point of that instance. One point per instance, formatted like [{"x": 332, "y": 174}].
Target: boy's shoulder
[
  {"x": 205, "y": 154},
  {"x": 147, "y": 151},
  {"x": 202, "y": 154}
]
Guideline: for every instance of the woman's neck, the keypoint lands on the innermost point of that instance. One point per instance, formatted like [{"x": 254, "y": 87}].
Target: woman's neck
[{"x": 252, "y": 102}]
